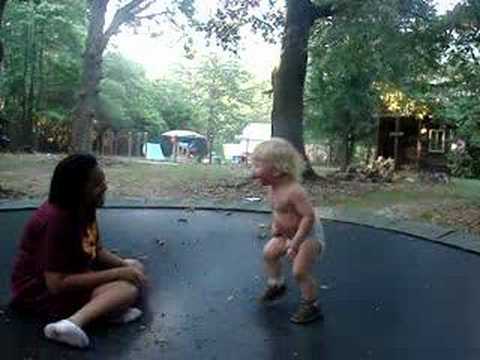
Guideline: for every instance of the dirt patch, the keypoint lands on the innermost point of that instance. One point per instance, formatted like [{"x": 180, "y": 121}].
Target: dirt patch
[
  {"x": 454, "y": 214},
  {"x": 225, "y": 190},
  {"x": 10, "y": 194},
  {"x": 464, "y": 217},
  {"x": 327, "y": 192}
]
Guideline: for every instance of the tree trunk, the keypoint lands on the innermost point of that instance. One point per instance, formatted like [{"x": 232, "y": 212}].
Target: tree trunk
[
  {"x": 368, "y": 154},
  {"x": 210, "y": 139},
  {"x": 2, "y": 9},
  {"x": 289, "y": 79},
  {"x": 210, "y": 123},
  {"x": 30, "y": 125},
  {"x": 348, "y": 145},
  {"x": 25, "y": 124},
  {"x": 351, "y": 149},
  {"x": 330, "y": 153},
  {"x": 41, "y": 98},
  {"x": 84, "y": 111}
]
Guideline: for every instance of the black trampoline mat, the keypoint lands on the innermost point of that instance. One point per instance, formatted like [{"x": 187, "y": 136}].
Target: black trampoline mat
[{"x": 385, "y": 295}]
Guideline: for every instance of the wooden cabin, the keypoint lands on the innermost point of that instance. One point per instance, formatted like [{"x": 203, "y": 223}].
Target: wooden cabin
[{"x": 413, "y": 141}]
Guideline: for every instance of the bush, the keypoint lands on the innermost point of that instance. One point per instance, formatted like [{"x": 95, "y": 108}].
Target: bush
[{"x": 465, "y": 162}]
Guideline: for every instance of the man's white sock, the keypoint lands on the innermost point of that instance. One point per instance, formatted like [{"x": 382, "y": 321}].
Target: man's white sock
[
  {"x": 276, "y": 281},
  {"x": 67, "y": 332},
  {"x": 129, "y": 315}
]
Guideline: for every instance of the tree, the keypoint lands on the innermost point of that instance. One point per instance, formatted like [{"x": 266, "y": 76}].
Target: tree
[
  {"x": 41, "y": 67},
  {"x": 301, "y": 16},
  {"x": 172, "y": 101},
  {"x": 456, "y": 91},
  {"x": 131, "y": 13},
  {"x": 3, "y": 3},
  {"x": 128, "y": 99},
  {"x": 289, "y": 79},
  {"x": 460, "y": 89},
  {"x": 373, "y": 48},
  {"x": 97, "y": 40},
  {"x": 222, "y": 97}
]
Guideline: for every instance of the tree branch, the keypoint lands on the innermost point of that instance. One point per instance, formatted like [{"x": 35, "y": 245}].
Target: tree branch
[
  {"x": 140, "y": 9},
  {"x": 126, "y": 13},
  {"x": 323, "y": 11},
  {"x": 153, "y": 15}
]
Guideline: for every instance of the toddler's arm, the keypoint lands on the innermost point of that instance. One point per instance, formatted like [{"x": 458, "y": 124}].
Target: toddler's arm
[{"x": 304, "y": 208}]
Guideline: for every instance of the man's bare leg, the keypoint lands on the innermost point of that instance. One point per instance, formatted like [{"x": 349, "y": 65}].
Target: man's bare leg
[{"x": 106, "y": 299}]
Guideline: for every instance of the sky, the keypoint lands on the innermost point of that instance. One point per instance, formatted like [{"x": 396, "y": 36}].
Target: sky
[
  {"x": 445, "y": 5},
  {"x": 158, "y": 55}
]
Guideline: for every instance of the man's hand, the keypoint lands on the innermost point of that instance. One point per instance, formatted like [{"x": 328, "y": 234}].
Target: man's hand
[
  {"x": 135, "y": 263},
  {"x": 133, "y": 275}
]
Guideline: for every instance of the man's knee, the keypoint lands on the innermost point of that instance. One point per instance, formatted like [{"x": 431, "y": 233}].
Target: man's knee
[
  {"x": 129, "y": 289},
  {"x": 122, "y": 287}
]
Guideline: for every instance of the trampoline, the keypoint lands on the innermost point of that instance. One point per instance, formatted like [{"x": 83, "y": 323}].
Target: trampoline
[{"x": 385, "y": 295}]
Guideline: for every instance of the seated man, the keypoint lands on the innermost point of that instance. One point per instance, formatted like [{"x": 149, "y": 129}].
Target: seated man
[{"x": 61, "y": 269}]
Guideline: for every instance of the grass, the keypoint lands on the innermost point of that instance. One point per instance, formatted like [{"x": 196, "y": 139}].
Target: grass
[
  {"x": 459, "y": 190},
  {"x": 154, "y": 180},
  {"x": 467, "y": 189},
  {"x": 28, "y": 176}
]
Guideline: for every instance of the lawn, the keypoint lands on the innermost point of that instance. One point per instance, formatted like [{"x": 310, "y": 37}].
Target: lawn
[
  {"x": 456, "y": 204},
  {"x": 464, "y": 190},
  {"x": 28, "y": 175}
]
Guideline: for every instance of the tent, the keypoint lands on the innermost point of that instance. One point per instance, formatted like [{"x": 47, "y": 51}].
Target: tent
[
  {"x": 195, "y": 143},
  {"x": 182, "y": 134},
  {"x": 153, "y": 151}
]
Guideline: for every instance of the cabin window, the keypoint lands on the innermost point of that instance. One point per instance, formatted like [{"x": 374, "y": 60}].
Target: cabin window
[{"x": 436, "y": 141}]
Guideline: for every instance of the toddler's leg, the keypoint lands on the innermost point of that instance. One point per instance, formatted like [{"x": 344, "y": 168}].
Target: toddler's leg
[
  {"x": 303, "y": 263},
  {"x": 272, "y": 254}
]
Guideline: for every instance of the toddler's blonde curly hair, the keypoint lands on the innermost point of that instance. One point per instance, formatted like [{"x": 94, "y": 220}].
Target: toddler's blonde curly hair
[{"x": 281, "y": 155}]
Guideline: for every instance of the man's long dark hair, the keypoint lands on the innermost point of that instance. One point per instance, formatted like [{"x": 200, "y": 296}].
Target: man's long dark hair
[{"x": 69, "y": 181}]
